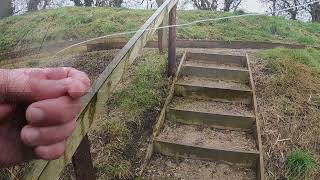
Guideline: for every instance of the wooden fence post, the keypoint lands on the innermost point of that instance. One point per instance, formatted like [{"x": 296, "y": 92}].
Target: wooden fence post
[
  {"x": 172, "y": 64},
  {"x": 5, "y": 8},
  {"x": 163, "y": 32},
  {"x": 82, "y": 161}
]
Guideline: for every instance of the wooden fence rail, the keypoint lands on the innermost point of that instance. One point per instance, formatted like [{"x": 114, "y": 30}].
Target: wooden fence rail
[{"x": 99, "y": 93}]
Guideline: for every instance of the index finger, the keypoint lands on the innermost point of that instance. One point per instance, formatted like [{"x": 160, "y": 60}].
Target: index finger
[{"x": 60, "y": 73}]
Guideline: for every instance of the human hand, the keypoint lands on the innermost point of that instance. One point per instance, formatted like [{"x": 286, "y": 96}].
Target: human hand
[{"x": 37, "y": 112}]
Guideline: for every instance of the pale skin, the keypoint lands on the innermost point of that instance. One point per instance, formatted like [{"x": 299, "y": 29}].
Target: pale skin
[{"x": 38, "y": 108}]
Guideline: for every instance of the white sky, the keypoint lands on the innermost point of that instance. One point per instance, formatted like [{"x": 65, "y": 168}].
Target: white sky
[
  {"x": 248, "y": 5},
  {"x": 253, "y": 6}
]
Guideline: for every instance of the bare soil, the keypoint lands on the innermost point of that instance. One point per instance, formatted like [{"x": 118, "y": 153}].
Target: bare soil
[
  {"x": 211, "y": 106},
  {"x": 214, "y": 65},
  {"x": 206, "y": 82},
  {"x": 208, "y": 137},
  {"x": 93, "y": 63},
  {"x": 186, "y": 169}
]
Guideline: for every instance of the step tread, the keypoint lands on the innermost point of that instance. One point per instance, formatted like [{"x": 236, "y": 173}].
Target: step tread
[
  {"x": 161, "y": 167},
  {"x": 211, "y": 138},
  {"x": 211, "y": 106},
  {"x": 201, "y": 64},
  {"x": 212, "y": 83}
]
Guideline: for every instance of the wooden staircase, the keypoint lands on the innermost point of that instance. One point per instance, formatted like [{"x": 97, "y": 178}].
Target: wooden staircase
[{"x": 208, "y": 128}]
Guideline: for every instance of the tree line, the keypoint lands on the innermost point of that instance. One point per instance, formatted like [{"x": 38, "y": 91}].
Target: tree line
[
  {"x": 213, "y": 5},
  {"x": 312, "y": 9}
]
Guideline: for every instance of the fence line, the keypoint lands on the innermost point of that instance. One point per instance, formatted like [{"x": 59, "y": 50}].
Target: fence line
[{"x": 100, "y": 92}]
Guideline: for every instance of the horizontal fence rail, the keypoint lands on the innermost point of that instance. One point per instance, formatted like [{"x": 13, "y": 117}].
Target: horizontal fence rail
[{"x": 99, "y": 93}]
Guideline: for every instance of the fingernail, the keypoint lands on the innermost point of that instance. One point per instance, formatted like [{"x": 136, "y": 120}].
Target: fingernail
[
  {"x": 31, "y": 135},
  {"x": 37, "y": 115}
]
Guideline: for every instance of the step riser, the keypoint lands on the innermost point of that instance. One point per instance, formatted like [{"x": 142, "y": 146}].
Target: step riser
[
  {"x": 211, "y": 120},
  {"x": 214, "y": 93},
  {"x": 245, "y": 159},
  {"x": 217, "y": 74},
  {"x": 239, "y": 61}
]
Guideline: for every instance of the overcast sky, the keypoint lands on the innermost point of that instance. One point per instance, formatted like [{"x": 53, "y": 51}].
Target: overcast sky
[
  {"x": 248, "y": 5},
  {"x": 253, "y": 6}
]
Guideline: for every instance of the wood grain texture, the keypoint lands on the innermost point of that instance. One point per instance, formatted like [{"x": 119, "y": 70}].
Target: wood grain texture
[
  {"x": 260, "y": 164},
  {"x": 99, "y": 93}
]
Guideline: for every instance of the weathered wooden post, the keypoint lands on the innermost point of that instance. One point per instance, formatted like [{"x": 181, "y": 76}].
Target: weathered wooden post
[
  {"x": 82, "y": 161},
  {"x": 5, "y": 8},
  {"x": 163, "y": 32},
  {"x": 172, "y": 64}
]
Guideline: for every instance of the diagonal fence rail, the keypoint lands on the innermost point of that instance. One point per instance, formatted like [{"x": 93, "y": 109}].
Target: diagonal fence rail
[{"x": 100, "y": 91}]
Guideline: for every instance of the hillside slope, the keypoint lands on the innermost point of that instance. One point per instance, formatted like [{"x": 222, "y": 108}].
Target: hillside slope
[
  {"x": 32, "y": 29},
  {"x": 288, "y": 81}
]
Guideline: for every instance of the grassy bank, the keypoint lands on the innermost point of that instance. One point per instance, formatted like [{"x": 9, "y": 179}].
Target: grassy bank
[
  {"x": 120, "y": 136},
  {"x": 288, "y": 91},
  {"x": 32, "y": 29}
]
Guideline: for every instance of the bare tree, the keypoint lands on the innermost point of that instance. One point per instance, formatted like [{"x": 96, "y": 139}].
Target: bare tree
[
  {"x": 231, "y": 5},
  {"x": 45, "y": 4},
  {"x": 33, "y": 5},
  {"x": 206, "y": 4},
  {"x": 286, "y": 4},
  {"x": 313, "y": 10},
  {"x": 110, "y": 3},
  {"x": 88, "y": 3},
  {"x": 77, "y": 2}
]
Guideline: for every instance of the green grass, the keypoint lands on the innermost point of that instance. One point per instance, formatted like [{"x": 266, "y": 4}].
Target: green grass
[
  {"x": 142, "y": 91},
  {"x": 299, "y": 164},
  {"x": 275, "y": 57},
  {"x": 143, "y": 94},
  {"x": 82, "y": 23},
  {"x": 288, "y": 87},
  {"x": 67, "y": 24}
]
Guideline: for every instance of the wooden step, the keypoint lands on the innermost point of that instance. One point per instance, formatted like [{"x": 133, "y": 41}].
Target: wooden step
[
  {"x": 200, "y": 142},
  {"x": 212, "y": 106},
  {"x": 217, "y": 72},
  {"x": 219, "y": 120},
  {"x": 217, "y": 59},
  {"x": 163, "y": 167},
  {"x": 209, "y": 88}
]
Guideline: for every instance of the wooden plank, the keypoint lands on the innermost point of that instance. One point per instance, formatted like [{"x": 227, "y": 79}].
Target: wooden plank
[
  {"x": 228, "y": 74},
  {"x": 99, "y": 93},
  {"x": 204, "y": 92},
  {"x": 234, "y": 157},
  {"x": 217, "y": 58},
  {"x": 107, "y": 44},
  {"x": 216, "y": 120},
  {"x": 172, "y": 62},
  {"x": 181, "y": 43},
  {"x": 260, "y": 163},
  {"x": 6, "y": 8},
  {"x": 161, "y": 119},
  {"x": 211, "y": 44},
  {"x": 163, "y": 32}
]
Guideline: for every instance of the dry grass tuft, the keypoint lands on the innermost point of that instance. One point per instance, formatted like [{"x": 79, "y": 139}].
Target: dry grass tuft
[{"x": 288, "y": 95}]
